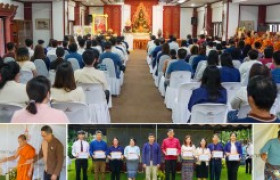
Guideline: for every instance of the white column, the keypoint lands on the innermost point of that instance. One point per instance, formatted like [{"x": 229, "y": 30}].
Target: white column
[
  {"x": 126, "y": 15},
  {"x": 58, "y": 20},
  {"x": 185, "y": 22},
  {"x": 157, "y": 19}
]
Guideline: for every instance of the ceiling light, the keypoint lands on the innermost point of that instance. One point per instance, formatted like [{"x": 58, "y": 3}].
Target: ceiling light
[{"x": 181, "y": 1}]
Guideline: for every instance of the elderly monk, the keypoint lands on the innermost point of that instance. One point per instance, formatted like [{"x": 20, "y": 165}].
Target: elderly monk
[{"x": 25, "y": 152}]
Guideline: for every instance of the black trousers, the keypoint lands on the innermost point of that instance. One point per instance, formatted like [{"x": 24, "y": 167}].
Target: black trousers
[
  {"x": 248, "y": 165},
  {"x": 232, "y": 169},
  {"x": 116, "y": 167},
  {"x": 170, "y": 168},
  {"x": 81, "y": 164},
  {"x": 215, "y": 169},
  {"x": 48, "y": 176}
]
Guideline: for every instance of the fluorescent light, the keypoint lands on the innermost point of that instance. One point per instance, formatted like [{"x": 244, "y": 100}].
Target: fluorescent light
[{"x": 181, "y": 1}]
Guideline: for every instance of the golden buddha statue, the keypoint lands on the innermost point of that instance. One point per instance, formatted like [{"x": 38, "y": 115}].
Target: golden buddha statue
[{"x": 140, "y": 25}]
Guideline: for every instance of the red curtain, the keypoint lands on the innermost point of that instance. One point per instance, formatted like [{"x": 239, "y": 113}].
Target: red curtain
[
  {"x": 171, "y": 21},
  {"x": 114, "y": 17}
]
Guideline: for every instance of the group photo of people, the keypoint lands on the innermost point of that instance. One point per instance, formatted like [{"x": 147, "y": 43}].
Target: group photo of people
[
  {"x": 30, "y": 152},
  {"x": 159, "y": 152}
]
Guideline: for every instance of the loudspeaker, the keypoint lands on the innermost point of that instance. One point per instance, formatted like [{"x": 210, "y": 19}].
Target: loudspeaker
[
  {"x": 89, "y": 18},
  {"x": 194, "y": 21}
]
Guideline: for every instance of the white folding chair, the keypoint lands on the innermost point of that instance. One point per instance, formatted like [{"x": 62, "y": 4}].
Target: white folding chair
[
  {"x": 8, "y": 59},
  {"x": 74, "y": 62},
  {"x": 41, "y": 67},
  {"x": 232, "y": 88},
  {"x": 209, "y": 113},
  {"x": 96, "y": 100},
  {"x": 177, "y": 78},
  {"x": 180, "y": 112},
  {"x": 52, "y": 74},
  {"x": 52, "y": 57},
  {"x": 200, "y": 67},
  {"x": 162, "y": 59},
  {"x": 7, "y": 110},
  {"x": 114, "y": 82},
  {"x": 75, "y": 111},
  {"x": 25, "y": 76},
  {"x": 236, "y": 63}
]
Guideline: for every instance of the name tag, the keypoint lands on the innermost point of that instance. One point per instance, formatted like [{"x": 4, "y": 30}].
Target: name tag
[
  {"x": 171, "y": 152},
  {"x": 132, "y": 157},
  {"x": 99, "y": 155},
  {"x": 234, "y": 157},
  {"x": 218, "y": 154},
  {"x": 204, "y": 157},
  {"x": 83, "y": 155},
  {"x": 116, "y": 155}
]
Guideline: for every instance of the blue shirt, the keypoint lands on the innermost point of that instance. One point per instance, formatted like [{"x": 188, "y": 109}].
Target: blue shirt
[
  {"x": 97, "y": 146},
  {"x": 216, "y": 147},
  {"x": 178, "y": 65},
  {"x": 156, "y": 50},
  {"x": 200, "y": 95},
  {"x": 251, "y": 119},
  {"x": 238, "y": 148},
  {"x": 114, "y": 149},
  {"x": 196, "y": 60},
  {"x": 276, "y": 75},
  {"x": 271, "y": 148},
  {"x": 229, "y": 74},
  {"x": 117, "y": 61},
  {"x": 76, "y": 56}
]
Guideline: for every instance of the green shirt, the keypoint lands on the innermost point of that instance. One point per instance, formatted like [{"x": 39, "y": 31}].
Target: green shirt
[{"x": 271, "y": 148}]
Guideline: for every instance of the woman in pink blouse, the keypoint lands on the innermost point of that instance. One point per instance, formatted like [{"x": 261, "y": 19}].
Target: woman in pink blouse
[{"x": 38, "y": 110}]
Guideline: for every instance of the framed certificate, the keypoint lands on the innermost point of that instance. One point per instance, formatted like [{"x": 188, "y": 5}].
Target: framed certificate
[
  {"x": 218, "y": 154},
  {"x": 83, "y": 155},
  {"x": 187, "y": 154},
  {"x": 204, "y": 157},
  {"x": 116, "y": 155},
  {"x": 99, "y": 155},
  {"x": 132, "y": 157},
  {"x": 233, "y": 157},
  {"x": 171, "y": 152}
]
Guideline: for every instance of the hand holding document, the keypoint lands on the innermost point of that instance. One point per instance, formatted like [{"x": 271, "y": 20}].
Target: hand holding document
[
  {"x": 218, "y": 154},
  {"x": 99, "y": 155},
  {"x": 171, "y": 152}
]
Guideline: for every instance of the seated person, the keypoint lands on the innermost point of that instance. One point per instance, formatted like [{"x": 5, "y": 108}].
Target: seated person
[
  {"x": 11, "y": 91},
  {"x": 81, "y": 49},
  {"x": 211, "y": 89},
  {"x": 178, "y": 65},
  {"x": 276, "y": 71},
  {"x": 117, "y": 61},
  {"x": 22, "y": 59},
  {"x": 65, "y": 88},
  {"x": 52, "y": 49},
  {"x": 116, "y": 50},
  {"x": 89, "y": 74},
  {"x": 40, "y": 54},
  {"x": 11, "y": 49},
  {"x": 41, "y": 43},
  {"x": 262, "y": 92},
  {"x": 166, "y": 63},
  {"x": 173, "y": 43},
  {"x": 268, "y": 52},
  {"x": 29, "y": 46},
  {"x": 240, "y": 98},
  {"x": 59, "y": 53},
  {"x": 201, "y": 57},
  {"x": 228, "y": 72},
  {"x": 236, "y": 54},
  {"x": 74, "y": 54},
  {"x": 38, "y": 109}
]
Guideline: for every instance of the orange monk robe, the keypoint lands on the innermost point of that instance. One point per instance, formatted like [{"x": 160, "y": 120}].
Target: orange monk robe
[
  {"x": 248, "y": 41},
  {"x": 276, "y": 46},
  {"x": 266, "y": 43},
  {"x": 26, "y": 153}
]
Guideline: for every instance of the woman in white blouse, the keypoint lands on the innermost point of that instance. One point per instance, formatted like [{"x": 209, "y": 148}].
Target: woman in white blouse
[
  {"x": 24, "y": 62},
  {"x": 132, "y": 155},
  {"x": 202, "y": 163},
  {"x": 188, "y": 152},
  {"x": 64, "y": 88}
]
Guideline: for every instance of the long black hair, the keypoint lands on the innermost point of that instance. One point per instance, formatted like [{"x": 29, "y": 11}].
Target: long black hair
[
  {"x": 37, "y": 90},
  {"x": 213, "y": 58},
  {"x": 8, "y": 72},
  {"x": 211, "y": 80}
]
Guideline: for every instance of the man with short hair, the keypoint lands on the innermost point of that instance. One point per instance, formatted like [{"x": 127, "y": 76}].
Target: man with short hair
[
  {"x": 171, "y": 149},
  {"x": 10, "y": 50},
  {"x": 276, "y": 71},
  {"x": 80, "y": 150},
  {"x": 261, "y": 93},
  {"x": 116, "y": 50},
  {"x": 74, "y": 54},
  {"x": 270, "y": 155},
  {"x": 97, "y": 151},
  {"x": 41, "y": 43},
  {"x": 52, "y": 49},
  {"x": 173, "y": 44},
  {"x": 151, "y": 157},
  {"x": 52, "y": 152},
  {"x": 81, "y": 49},
  {"x": 29, "y": 46}
]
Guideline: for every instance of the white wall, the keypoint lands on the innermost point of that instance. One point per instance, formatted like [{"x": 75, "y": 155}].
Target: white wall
[
  {"x": 249, "y": 13},
  {"x": 201, "y": 20},
  {"x": 233, "y": 19},
  {"x": 58, "y": 20},
  {"x": 185, "y": 22},
  {"x": 272, "y": 13},
  {"x": 96, "y": 10},
  {"x": 41, "y": 10},
  {"x": 157, "y": 18},
  {"x": 217, "y": 12},
  {"x": 126, "y": 14}
]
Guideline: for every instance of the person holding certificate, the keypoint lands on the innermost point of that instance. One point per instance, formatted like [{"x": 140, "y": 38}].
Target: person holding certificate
[
  {"x": 151, "y": 157},
  {"x": 97, "y": 150},
  {"x": 115, "y": 156},
  {"x": 217, "y": 152},
  {"x": 203, "y": 157},
  {"x": 171, "y": 149},
  {"x": 187, "y": 153},
  {"x": 80, "y": 150},
  {"x": 132, "y": 155},
  {"x": 233, "y": 150}
]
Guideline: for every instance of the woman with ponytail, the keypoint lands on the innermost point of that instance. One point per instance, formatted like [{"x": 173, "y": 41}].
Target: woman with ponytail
[
  {"x": 11, "y": 91},
  {"x": 38, "y": 109}
]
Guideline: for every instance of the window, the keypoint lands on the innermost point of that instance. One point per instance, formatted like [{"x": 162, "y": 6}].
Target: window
[
  {"x": 275, "y": 27},
  {"x": 218, "y": 29}
]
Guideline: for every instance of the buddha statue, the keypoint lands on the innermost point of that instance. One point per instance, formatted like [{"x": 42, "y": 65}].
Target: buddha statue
[{"x": 140, "y": 24}]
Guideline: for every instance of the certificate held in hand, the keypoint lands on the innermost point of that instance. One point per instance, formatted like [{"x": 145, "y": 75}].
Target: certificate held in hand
[
  {"x": 218, "y": 154},
  {"x": 99, "y": 155},
  {"x": 233, "y": 157},
  {"x": 187, "y": 154},
  {"x": 204, "y": 157},
  {"x": 132, "y": 157},
  {"x": 83, "y": 155},
  {"x": 116, "y": 155},
  {"x": 171, "y": 152}
]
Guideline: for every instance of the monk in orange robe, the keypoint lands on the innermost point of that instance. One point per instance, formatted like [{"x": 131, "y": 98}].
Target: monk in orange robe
[
  {"x": 276, "y": 45},
  {"x": 25, "y": 152}
]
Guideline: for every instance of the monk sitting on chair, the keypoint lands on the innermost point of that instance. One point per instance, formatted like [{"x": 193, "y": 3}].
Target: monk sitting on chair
[{"x": 25, "y": 152}]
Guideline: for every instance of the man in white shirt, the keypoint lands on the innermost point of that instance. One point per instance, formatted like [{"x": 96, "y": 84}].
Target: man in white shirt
[
  {"x": 81, "y": 49},
  {"x": 116, "y": 50},
  {"x": 151, "y": 42},
  {"x": 245, "y": 67},
  {"x": 249, "y": 154},
  {"x": 29, "y": 46},
  {"x": 121, "y": 47},
  {"x": 80, "y": 150},
  {"x": 173, "y": 44},
  {"x": 52, "y": 50}
]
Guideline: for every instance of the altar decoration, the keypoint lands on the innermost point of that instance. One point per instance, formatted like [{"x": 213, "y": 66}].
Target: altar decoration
[
  {"x": 99, "y": 23},
  {"x": 141, "y": 20}
]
